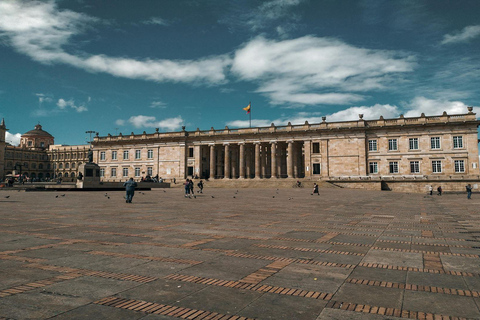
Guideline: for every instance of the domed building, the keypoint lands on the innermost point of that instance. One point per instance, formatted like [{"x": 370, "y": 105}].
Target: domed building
[
  {"x": 29, "y": 159},
  {"x": 37, "y": 139}
]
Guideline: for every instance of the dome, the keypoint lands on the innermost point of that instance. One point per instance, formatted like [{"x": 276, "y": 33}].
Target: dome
[{"x": 37, "y": 132}]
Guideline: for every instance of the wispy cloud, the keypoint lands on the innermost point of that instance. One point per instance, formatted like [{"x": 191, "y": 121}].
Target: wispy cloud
[
  {"x": 465, "y": 35},
  {"x": 64, "y": 104},
  {"x": 311, "y": 70},
  {"x": 419, "y": 105},
  {"x": 157, "y": 20},
  {"x": 141, "y": 121},
  {"x": 41, "y": 31},
  {"x": 158, "y": 105}
]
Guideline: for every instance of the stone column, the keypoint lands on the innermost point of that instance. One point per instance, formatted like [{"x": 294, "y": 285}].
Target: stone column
[
  {"x": 227, "y": 162},
  {"x": 233, "y": 163},
  {"x": 242, "y": 160},
  {"x": 248, "y": 161},
  {"x": 295, "y": 160},
  {"x": 290, "y": 159},
  {"x": 257, "y": 161},
  {"x": 274, "y": 159},
  {"x": 212, "y": 161},
  {"x": 263, "y": 161}
]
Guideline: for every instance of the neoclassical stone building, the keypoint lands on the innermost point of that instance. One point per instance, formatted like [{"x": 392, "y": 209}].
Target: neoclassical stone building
[{"x": 421, "y": 147}]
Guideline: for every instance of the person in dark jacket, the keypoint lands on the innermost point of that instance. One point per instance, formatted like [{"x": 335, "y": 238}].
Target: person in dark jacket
[
  {"x": 130, "y": 186},
  {"x": 469, "y": 191}
]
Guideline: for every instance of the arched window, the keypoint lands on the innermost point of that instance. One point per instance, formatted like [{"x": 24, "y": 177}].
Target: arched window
[
  {"x": 60, "y": 166},
  {"x": 40, "y": 166},
  {"x": 59, "y": 175},
  {"x": 67, "y": 165},
  {"x": 73, "y": 165},
  {"x": 72, "y": 175},
  {"x": 34, "y": 165}
]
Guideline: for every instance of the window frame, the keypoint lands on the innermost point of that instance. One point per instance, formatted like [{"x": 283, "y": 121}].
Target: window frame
[
  {"x": 138, "y": 154},
  {"x": 372, "y": 145},
  {"x": 316, "y": 166},
  {"x": 114, "y": 155},
  {"x": 435, "y": 143},
  {"x": 413, "y": 141},
  {"x": 436, "y": 164},
  {"x": 125, "y": 154},
  {"x": 315, "y": 147},
  {"x": 462, "y": 166},
  {"x": 102, "y": 156},
  {"x": 150, "y": 154},
  {"x": 137, "y": 172},
  {"x": 458, "y": 141},
  {"x": 393, "y": 167},
  {"x": 123, "y": 172},
  {"x": 373, "y": 165},
  {"x": 393, "y": 143},
  {"x": 415, "y": 164},
  {"x": 113, "y": 172}
]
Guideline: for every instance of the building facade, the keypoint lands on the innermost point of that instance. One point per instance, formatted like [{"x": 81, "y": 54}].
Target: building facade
[
  {"x": 433, "y": 147},
  {"x": 445, "y": 145}
]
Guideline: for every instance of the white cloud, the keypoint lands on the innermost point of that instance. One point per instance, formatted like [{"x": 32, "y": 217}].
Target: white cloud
[
  {"x": 415, "y": 108},
  {"x": 271, "y": 10},
  {"x": 41, "y": 31},
  {"x": 158, "y": 105},
  {"x": 170, "y": 124},
  {"x": 13, "y": 139},
  {"x": 120, "y": 122},
  {"x": 432, "y": 107},
  {"x": 157, "y": 20},
  {"x": 63, "y": 104},
  {"x": 311, "y": 70},
  {"x": 466, "y": 34}
]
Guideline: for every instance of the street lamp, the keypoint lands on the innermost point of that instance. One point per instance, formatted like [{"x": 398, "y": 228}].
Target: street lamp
[{"x": 90, "y": 132}]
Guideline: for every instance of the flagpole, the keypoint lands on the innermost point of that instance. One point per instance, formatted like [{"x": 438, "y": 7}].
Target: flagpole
[{"x": 250, "y": 113}]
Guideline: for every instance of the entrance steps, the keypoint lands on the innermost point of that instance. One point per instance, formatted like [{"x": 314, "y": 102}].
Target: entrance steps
[{"x": 255, "y": 183}]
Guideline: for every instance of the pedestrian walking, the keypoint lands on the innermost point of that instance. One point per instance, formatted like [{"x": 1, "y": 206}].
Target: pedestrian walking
[
  {"x": 469, "y": 191},
  {"x": 315, "y": 188},
  {"x": 191, "y": 187},
  {"x": 187, "y": 188},
  {"x": 430, "y": 189},
  {"x": 200, "y": 186},
  {"x": 439, "y": 189},
  {"x": 130, "y": 186}
]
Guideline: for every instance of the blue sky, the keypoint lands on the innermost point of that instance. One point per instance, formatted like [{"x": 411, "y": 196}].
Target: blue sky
[{"x": 133, "y": 66}]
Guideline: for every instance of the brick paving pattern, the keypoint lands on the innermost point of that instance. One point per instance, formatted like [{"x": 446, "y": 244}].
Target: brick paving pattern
[{"x": 239, "y": 254}]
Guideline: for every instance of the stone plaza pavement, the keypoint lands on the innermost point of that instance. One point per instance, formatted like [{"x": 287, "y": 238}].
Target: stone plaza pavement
[{"x": 246, "y": 254}]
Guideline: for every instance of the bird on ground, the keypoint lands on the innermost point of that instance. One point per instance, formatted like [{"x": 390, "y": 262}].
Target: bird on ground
[
  {"x": 56, "y": 196},
  {"x": 234, "y": 197},
  {"x": 213, "y": 197},
  {"x": 63, "y": 195},
  {"x": 273, "y": 197},
  {"x": 7, "y": 197},
  {"x": 108, "y": 197}
]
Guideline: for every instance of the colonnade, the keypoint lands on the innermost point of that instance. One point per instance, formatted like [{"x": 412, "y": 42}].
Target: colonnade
[{"x": 258, "y": 160}]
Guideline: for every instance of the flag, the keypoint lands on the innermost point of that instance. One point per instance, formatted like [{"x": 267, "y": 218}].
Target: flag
[{"x": 247, "y": 108}]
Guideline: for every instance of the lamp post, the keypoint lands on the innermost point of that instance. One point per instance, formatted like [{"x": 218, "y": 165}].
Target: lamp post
[{"x": 90, "y": 132}]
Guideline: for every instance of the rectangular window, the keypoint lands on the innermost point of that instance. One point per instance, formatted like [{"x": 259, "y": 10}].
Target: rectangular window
[
  {"x": 114, "y": 155},
  {"x": 125, "y": 155},
  {"x": 102, "y": 172},
  {"x": 316, "y": 147},
  {"x": 414, "y": 167},
  {"x": 125, "y": 172},
  {"x": 138, "y": 154},
  {"x": 102, "y": 155},
  {"x": 413, "y": 143},
  {"x": 190, "y": 152},
  {"x": 392, "y": 145},
  {"x": 436, "y": 166},
  {"x": 435, "y": 142},
  {"x": 137, "y": 172},
  {"x": 150, "y": 171},
  {"x": 316, "y": 168},
  {"x": 373, "y": 167},
  {"x": 190, "y": 171},
  {"x": 393, "y": 166},
  {"x": 150, "y": 154},
  {"x": 458, "y": 142},
  {"x": 459, "y": 166},
  {"x": 372, "y": 145},
  {"x": 113, "y": 172}
]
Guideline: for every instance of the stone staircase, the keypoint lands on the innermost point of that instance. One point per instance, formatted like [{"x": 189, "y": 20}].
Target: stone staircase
[{"x": 252, "y": 183}]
